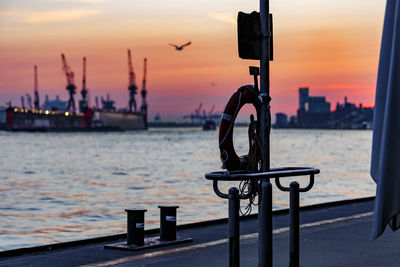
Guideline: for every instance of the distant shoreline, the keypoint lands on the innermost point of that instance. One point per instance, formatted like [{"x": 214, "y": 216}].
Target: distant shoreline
[
  {"x": 200, "y": 125},
  {"x": 240, "y": 124},
  {"x": 184, "y": 124}
]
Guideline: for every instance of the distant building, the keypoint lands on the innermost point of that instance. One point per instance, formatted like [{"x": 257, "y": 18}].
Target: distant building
[
  {"x": 3, "y": 118},
  {"x": 314, "y": 111},
  {"x": 303, "y": 96},
  {"x": 293, "y": 121},
  {"x": 349, "y": 116},
  {"x": 281, "y": 120},
  {"x": 55, "y": 104},
  {"x": 107, "y": 104},
  {"x": 157, "y": 118}
]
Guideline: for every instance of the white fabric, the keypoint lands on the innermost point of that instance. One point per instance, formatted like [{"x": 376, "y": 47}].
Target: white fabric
[{"x": 385, "y": 160}]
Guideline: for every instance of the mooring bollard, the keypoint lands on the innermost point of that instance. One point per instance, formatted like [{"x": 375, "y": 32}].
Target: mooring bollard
[
  {"x": 135, "y": 231},
  {"x": 168, "y": 222},
  {"x": 135, "y": 226},
  {"x": 234, "y": 230}
]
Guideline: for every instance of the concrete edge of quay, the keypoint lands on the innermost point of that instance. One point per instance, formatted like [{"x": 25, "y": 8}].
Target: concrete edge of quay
[{"x": 110, "y": 238}]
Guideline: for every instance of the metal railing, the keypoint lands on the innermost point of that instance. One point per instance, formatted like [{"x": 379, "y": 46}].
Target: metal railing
[{"x": 262, "y": 180}]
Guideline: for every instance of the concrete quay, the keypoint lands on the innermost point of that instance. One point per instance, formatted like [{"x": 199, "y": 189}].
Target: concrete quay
[{"x": 331, "y": 234}]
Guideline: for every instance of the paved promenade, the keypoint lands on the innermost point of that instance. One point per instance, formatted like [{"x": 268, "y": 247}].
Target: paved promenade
[{"x": 330, "y": 235}]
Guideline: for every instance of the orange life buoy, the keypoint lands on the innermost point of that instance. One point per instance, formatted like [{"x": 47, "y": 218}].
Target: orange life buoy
[{"x": 244, "y": 95}]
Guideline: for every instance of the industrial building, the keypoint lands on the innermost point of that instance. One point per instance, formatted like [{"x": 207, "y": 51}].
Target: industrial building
[{"x": 315, "y": 112}]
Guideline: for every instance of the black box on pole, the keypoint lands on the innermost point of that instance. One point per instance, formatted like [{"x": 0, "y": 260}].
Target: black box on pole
[{"x": 250, "y": 36}]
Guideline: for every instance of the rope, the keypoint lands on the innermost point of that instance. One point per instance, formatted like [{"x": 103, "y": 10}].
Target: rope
[{"x": 254, "y": 157}]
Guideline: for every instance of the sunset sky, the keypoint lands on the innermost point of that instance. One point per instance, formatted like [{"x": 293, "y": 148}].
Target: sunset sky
[{"x": 331, "y": 46}]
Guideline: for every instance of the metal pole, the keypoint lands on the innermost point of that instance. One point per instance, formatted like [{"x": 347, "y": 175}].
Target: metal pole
[
  {"x": 265, "y": 197},
  {"x": 234, "y": 234},
  {"x": 294, "y": 225},
  {"x": 265, "y": 224},
  {"x": 264, "y": 84}
]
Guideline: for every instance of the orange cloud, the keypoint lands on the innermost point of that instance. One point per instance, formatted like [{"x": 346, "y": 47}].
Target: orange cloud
[
  {"x": 348, "y": 86},
  {"x": 83, "y": 1},
  {"x": 224, "y": 17},
  {"x": 51, "y": 16},
  {"x": 58, "y": 16}
]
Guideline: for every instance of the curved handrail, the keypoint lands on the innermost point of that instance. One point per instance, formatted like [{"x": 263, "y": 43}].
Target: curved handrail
[
  {"x": 273, "y": 173},
  {"x": 240, "y": 196},
  {"x": 301, "y": 189},
  {"x": 254, "y": 176}
]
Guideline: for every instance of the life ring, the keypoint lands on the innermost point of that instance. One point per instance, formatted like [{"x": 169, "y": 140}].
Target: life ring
[{"x": 244, "y": 95}]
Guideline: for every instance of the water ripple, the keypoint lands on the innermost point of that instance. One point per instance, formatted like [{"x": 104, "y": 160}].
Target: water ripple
[{"x": 77, "y": 185}]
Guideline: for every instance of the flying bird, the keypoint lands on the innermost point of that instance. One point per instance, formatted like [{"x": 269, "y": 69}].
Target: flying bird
[{"x": 180, "y": 47}]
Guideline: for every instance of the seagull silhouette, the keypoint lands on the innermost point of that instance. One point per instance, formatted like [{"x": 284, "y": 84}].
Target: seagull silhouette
[{"x": 180, "y": 47}]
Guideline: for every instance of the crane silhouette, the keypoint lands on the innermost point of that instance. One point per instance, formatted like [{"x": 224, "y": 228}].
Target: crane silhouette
[
  {"x": 70, "y": 84},
  {"x": 180, "y": 47}
]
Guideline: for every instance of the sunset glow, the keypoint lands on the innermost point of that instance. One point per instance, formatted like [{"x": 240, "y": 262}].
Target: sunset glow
[{"x": 330, "y": 46}]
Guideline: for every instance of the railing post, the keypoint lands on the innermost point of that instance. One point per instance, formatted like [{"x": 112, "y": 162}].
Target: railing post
[
  {"x": 234, "y": 231},
  {"x": 265, "y": 224},
  {"x": 265, "y": 231},
  {"x": 294, "y": 225}
]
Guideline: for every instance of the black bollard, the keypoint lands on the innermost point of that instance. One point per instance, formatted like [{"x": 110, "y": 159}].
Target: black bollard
[
  {"x": 294, "y": 225},
  {"x": 135, "y": 226},
  {"x": 167, "y": 222},
  {"x": 234, "y": 231}
]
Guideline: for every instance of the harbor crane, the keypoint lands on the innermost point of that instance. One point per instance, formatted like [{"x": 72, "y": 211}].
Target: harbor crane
[
  {"x": 97, "y": 103},
  {"x": 36, "y": 90},
  {"x": 22, "y": 102},
  {"x": 198, "y": 110},
  {"x": 29, "y": 100},
  {"x": 70, "y": 84},
  {"x": 132, "y": 84},
  {"x": 143, "y": 108},
  {"x": 201, "y": 115},
  {"x": 210, "y": 113},
  {"x": 83, "y": 104}
]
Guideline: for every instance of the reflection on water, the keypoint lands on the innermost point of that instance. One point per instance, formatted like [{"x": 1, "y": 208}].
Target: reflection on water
[{"x": 66, "y": 186}]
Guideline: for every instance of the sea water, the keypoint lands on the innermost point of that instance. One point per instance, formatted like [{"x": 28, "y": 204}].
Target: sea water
[{"x": 57, "y": 187}]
